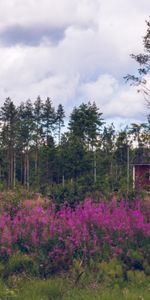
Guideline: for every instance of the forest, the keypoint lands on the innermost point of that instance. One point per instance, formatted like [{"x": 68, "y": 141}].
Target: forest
[{"x": 40, "y": 153}]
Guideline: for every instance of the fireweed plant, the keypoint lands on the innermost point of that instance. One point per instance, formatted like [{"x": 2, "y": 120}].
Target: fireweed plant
[{"x": 98, "y": 230}]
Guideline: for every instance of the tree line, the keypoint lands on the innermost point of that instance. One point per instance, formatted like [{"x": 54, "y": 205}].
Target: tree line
[{"x": 36, "y": 153}]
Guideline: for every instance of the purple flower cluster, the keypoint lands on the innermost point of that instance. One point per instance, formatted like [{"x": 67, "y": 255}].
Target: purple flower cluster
[{"x": 91, "y": 229}]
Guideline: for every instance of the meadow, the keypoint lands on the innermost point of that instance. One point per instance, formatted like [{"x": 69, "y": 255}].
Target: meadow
[{"x": 93, "y": 250}]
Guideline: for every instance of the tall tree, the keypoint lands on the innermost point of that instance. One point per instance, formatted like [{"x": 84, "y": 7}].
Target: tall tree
[
  {"x": 85, "y": 123},
  {"x": 106, "y": 161},
  {"x": 75, "y": 161},
  {"x": 135, "y": 130},
  {"x": 49, "y": 120},
  {"x": 38, "y": 131},
  {"x": 60, "y": 115},
  {"x": 26, "y": 129},
  {"x": 9, "y": 118},
  {"x": 108, "y": 138}
]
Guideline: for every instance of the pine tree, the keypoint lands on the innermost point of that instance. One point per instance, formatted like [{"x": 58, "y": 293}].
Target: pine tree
[
  {"x": 26, "y": 130},
  {"x": 60, "y": 115},
  {"x": 49, "y": 120},
  {"x": 9, "y": 119},
  {"x": 38, "y": 132}
]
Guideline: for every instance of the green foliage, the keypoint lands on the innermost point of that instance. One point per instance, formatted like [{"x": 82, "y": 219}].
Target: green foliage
[
  {"x": 85, "y": 122},
  {"x": 135, "y": 259},
  {"x": 136, "y": 277},
  {"x": 62, "y": 289},
  {"x": 94, "y": 293},
  {"x": 6, "y": 293},
  {"x": 2, "y": 269},
  {"x": 77, "y": 272},
  {"x": 146, "y": 267},
  {"x": 111, "y": 272},
  {"x": 11, "y": 198},
  {"x": 81, "y": 283},
  {"x": 71, "y": 192},
  {"x": 60, "y": 115},
  {"x": 19, "y": 263},
  {"x": 106, "y": 273},
  {"x": 35, "y": 154},
  {"x": 143, "y": 61},
  {"x": 2, "y": 186},
  {"x": 50, "y": 289}
]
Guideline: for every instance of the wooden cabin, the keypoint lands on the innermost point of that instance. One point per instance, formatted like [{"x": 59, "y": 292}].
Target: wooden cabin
[{"x": 141, "y": 172}]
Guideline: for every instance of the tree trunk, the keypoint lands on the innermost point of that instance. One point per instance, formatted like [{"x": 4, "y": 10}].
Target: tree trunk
[
  {"x": 28, "y": 171},
  {"x": 36, "y": 160},
  {"x": 22, "y": 181},
  {"x": 25, "y": 170},
  {"x": 14, "y": 170}
]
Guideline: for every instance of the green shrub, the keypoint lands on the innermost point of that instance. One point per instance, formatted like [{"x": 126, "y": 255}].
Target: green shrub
[
  {"x": 19, "y": 263},
  {"x": 2, "y": 269},
  {"x": 107, "y": 273},
  {"x": 135, "y": 260},
  {"x": 146, "y": 267},
  {"x": 136, "y": 277},
  {"x": 111, "y": 272},
  {"x": 77, "y": 272}
]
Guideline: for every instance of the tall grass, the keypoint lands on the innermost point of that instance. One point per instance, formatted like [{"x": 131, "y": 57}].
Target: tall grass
[{"x": 58, "y": 289}]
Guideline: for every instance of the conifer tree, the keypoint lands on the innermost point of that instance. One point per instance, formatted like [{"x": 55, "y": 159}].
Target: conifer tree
[
  {"x": 26, "y": 130},
  {"x": 86, "y": 122},
  {"x": 38, "y": 131},
  {"x": 9, "y": 119},
  {"x": 49, "y": 120},
  {"x": 60, "y": 115}
]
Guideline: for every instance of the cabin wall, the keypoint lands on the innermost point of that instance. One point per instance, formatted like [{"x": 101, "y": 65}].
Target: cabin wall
[{"x": 141, "y": 177}]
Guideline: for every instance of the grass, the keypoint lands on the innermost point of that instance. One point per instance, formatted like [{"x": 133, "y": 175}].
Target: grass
[
  {"x": 61, "y": 289},
  {"x": 6, "y": 293},
  {"x": 109, "y": 294}
]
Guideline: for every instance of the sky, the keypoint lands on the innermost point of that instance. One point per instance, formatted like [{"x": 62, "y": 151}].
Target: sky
[{"x": 73, "y": 51}]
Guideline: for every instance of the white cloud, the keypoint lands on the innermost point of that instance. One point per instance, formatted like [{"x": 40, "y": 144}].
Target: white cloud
[
  {"x": 114, "y": 100},
  {"x": 127, "y": 103},
  {"x": 53, "y": 12},
  {"x": 87, "y": 63},
  {"x": 100, "y": 90}
]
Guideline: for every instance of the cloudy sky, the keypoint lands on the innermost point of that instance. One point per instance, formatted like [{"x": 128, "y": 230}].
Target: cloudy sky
[{"x": 73, "y": 51}]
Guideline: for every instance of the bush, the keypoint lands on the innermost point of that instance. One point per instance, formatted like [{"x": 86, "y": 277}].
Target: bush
[
  {"x": 111, "y": 272},
  {"x": 146, "y": 267},
  {"x": 135, "y": 259},
  {"x": 136, "y": 277},
  {"x": 2, "y": 269},
  {"x": 19, "y": 263}
]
